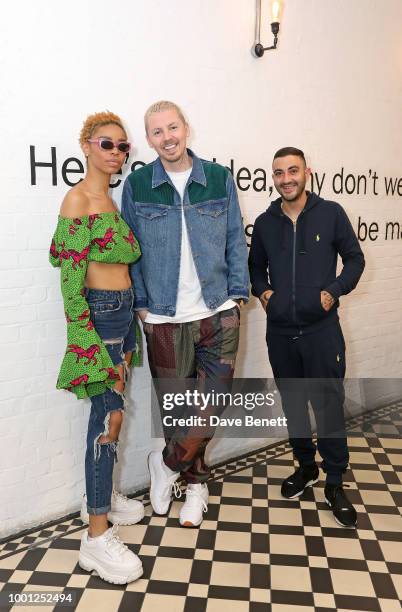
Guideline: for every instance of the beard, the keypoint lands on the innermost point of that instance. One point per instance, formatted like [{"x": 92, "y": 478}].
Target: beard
[{"x": 294, "y": 194}]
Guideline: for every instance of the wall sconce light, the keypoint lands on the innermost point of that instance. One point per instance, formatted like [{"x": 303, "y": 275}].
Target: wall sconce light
[{"x": 276, "y": 9}]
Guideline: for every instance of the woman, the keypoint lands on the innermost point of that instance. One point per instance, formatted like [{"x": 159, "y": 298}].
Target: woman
[{"x": 93, "y": 246}]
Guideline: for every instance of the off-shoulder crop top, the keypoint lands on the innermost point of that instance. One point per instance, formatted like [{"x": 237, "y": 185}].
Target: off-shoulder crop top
[{"x": 87, "y": 368}]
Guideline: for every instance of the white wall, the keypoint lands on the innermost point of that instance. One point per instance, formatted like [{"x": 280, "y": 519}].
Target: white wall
[{"x": 332, "y": 88}]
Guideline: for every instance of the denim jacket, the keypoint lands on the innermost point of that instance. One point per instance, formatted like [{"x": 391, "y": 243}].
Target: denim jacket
[{"x": 151, "y": 206}]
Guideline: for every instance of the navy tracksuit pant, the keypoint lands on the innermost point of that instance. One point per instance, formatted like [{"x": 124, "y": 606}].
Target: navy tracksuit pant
[{"x": 311, "y": 367}]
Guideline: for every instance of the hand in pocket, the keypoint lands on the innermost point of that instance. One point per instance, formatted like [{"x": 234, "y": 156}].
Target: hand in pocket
[{"x": 264, "y": 298}]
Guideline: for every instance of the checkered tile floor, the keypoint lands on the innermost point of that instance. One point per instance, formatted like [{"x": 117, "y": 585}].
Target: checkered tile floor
[{"x": 255, "y": 550}]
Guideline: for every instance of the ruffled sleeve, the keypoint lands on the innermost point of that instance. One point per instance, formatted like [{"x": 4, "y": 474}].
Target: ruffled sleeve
[{"x": 87, "y": 368}]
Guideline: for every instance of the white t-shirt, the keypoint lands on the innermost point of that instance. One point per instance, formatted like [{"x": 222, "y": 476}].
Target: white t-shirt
[{"x": 190, "y": 304}]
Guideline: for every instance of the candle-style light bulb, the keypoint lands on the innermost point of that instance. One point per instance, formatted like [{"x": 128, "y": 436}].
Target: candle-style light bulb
[{"x": 275, "y": 11}]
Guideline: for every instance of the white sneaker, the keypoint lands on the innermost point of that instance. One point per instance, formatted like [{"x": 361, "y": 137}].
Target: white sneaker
[
  {"x": 124, "y": 511},
  {"x": 109, "y": 557},
  {"x": 162, "y": 481},
  {"x": 195, "y": 505}
]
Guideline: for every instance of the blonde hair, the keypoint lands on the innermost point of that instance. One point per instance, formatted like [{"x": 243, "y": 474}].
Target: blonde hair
[
  {"x": 92, "y": 122},
  {"x": 160, "y": 106}
]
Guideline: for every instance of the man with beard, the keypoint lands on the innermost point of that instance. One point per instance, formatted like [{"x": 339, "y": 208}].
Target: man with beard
[
  {"x": 189, "y": 284},
  {"x": 293, "y": 257}
]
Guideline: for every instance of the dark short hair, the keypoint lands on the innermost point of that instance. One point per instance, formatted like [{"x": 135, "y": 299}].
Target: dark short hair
[{"x": 290, "y": 151}]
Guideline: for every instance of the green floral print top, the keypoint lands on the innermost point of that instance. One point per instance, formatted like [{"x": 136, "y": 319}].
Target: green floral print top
[{"x": 87, "y": 369}]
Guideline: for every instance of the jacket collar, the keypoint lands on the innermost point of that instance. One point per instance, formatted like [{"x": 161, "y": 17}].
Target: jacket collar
[{"x": 197, "y": 175}]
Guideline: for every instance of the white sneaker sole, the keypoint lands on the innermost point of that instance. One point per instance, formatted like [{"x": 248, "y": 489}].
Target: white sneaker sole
[
  {"x": 159, "y": 511},
  {"x": 89, "y": 565},
  {"x": 118, "y": 519},
  {"x": 310, "y": 483}
]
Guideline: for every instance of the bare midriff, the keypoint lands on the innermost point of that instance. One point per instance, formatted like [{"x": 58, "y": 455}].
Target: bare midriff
[{"x": 110, "y": 276}]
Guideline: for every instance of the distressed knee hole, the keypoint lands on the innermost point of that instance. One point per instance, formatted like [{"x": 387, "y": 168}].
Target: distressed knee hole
[
  {"x": 114, "y": 428},
  {"x": 110, "y": 435}
]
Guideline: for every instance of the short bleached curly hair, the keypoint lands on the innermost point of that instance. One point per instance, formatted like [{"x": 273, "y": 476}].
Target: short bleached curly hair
[
  {"x": 92, "y": 122},
  {"x": 160, "y": 106}
]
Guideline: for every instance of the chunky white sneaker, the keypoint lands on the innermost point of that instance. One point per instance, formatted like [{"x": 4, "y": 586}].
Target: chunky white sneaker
[
  {"x": 124, "y": 511},
  {"x": 162, "y": 482},
  {"x": 195, "y": 505},
  {"x": 109, "y": 557}
]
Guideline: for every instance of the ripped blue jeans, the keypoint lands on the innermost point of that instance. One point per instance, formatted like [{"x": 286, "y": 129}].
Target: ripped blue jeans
[{"x": 112, "y": 314}]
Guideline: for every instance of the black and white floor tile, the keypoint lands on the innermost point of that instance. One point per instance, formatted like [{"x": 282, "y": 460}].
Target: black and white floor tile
[{"x": 255, "y": 550}]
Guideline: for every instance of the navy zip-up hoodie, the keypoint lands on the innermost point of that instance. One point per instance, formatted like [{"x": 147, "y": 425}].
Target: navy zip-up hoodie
[{"x": 298, "y": 261}]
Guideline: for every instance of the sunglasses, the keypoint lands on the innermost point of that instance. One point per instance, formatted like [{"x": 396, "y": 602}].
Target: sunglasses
[{"x": 107, "y": 145}]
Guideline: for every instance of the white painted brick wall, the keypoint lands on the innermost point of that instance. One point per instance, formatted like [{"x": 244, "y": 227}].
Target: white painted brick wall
[{"x": 240, "y": 108}]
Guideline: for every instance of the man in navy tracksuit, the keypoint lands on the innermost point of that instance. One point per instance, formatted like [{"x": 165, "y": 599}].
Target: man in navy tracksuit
[{"x": 293, "y": 257}]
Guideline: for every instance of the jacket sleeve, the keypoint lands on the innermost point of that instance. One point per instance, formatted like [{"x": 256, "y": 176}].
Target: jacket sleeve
[
  {"x": 258, "y": 264},
  {"x": 128, "y": 214},
  {"x": 87, "y": 368},
  {"x": 236, "y": 247},
  {"x": 348, "y": 247}
]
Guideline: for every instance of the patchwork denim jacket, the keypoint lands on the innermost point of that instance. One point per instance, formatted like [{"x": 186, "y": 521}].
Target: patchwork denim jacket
[{"x": 151, "y": 206}]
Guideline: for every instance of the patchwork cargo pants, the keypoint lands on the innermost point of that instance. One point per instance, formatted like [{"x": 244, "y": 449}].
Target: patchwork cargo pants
[{"x": 206, "y": 350}]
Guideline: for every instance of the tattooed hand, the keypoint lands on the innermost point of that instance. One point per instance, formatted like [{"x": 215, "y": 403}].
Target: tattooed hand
[{"x": 327, "y": 301}]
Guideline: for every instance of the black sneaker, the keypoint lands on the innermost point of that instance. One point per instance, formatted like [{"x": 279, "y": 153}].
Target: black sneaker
[
  {"x": 344, "y": 513},
  {"x": 294, "y": 485}
]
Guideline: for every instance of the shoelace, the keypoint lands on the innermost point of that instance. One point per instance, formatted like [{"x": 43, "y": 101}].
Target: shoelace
[
  {"x": 120, "y": 497},
  {"x": 177, "y": 490},
  {"x": 191, "y": 493},
  {"x": 113, "y": 541}
]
